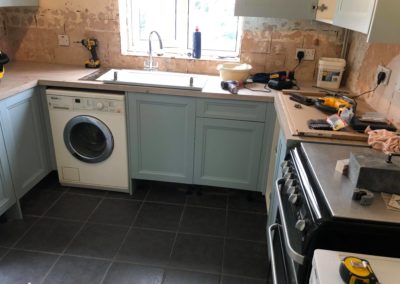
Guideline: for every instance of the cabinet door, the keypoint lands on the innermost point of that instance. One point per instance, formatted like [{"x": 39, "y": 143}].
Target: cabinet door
[
  {"x": 228, "y": 153},
  {"x": 7, "y": 195},
  {"x": 287, "y": 9},
  {"x": 24, "y": 136},
  {"x": 326, "y": 11},
  {"x": 15, "y": 3},
  {"x": 161, "y": 131},
  {"x": 355, "y": 15}
]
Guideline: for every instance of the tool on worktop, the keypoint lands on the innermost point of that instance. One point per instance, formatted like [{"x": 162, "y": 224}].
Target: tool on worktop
[
  {"x": 329, "y": 104},
  {"x": 231, "y": 85},
  {"x": 3, "y": 60},
  {"x": 91, "y": 44},
  {"x": 354, "y": 270}
]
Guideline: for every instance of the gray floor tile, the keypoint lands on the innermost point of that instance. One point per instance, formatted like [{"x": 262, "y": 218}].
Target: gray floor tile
[
  {"x": 116, "y": 212},
  {"x": 240, "y": 280},
  {"x": 213, "y": 197},
  {"x": 247, "y": 226},
  {"x": 159, "y": 216},
  {"x": 189, "y": 277},
  {"x": 124, "y": 273},
  {"x": 49, "y": 235},
  {"x": 247, "y": 201},
  {"x": 168, "y": 193},
  {"x": 207, "y": 221},
  {"x": 25, "y": 267},
  {"x": 74, "y": 207},
  {"x": 76, "y": 270},
  {"x": 11, "y": 231},
  {"x": 139, "y": 193},
  {"x": 198, "y": 253},
  {"x": 3, "y": 251},
  {"x": 98, "y": 240},
  {"x": 244, "y": 258},
  {"x": 87, "y": 191},
  {"x": 39, "y": 202},
  {"x": 147, "y": 247}
]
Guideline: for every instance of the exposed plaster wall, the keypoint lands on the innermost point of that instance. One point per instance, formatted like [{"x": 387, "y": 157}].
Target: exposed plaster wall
[
  {"x": 267, "y": 44},
  {"x": 363, "y": 59}
]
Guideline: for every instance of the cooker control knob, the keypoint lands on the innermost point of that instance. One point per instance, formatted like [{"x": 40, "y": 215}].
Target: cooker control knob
[
  {"x": 287, "y": 170},
  {"x": 99, "y": 106},
  {"x": 291, "y": 190},
  {"x": 284, "y": 164},
  {"x": 287, "y": 177},
  {"x": 300, "y": 225},
  {"x": 294, "y": 198},
  {"x": 290, "y": 181}
]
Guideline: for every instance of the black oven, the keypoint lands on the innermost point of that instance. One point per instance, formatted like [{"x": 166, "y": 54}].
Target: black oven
[{"x": 304, "y": 222}]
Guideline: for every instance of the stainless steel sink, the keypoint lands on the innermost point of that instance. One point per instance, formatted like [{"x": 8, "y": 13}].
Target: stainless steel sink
[{"x": 154, "y": 79}]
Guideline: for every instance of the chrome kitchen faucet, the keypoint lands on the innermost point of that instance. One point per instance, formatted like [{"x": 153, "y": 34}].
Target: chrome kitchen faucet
[{"x": 149, "y": 64}]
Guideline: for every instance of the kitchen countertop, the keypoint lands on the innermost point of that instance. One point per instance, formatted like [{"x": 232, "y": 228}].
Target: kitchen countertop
[{"x": 20, "y": 76}]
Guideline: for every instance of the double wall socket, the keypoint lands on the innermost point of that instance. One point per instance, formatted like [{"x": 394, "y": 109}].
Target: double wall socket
[
  {"x": 387, "y": 71},
  {"x": 309, "y": 53}
]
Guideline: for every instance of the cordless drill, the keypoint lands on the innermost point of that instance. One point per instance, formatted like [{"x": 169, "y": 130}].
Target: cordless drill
[
  {"x": 3, "y": 60},
  {"x": 91, "y": 44}
]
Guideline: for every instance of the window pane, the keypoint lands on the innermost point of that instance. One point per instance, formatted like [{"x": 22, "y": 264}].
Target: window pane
[
  {"x": 218, "y": 25},
  {"x": 158, "y": 15}
]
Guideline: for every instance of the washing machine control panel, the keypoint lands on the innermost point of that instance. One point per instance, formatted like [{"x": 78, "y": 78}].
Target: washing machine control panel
[{"x": 88, "y": 104}]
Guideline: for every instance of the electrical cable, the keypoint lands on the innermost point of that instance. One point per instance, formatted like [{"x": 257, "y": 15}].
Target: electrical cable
[
  {"x": 266, "y": 89},
  {"x": 300, "y": 56},
  {"x": 380, "y": 78}
]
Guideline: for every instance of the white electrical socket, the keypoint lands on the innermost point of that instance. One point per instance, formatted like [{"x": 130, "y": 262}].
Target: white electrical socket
[
  {"x": 309, "y": 53},
  {"x": 63, "y": 40},
  {"x": 386, "y": 71}
]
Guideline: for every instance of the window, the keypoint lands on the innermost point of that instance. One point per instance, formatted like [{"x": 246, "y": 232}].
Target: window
[{"x": 175, "y": 21}]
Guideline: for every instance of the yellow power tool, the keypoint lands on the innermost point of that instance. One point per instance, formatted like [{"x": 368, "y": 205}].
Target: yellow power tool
[
  {"x": 3, "y": 60},
  {"x": 354, "y": 270},
  {"x": 91, "y": 44},
  {"x": 334, "y": 103}
]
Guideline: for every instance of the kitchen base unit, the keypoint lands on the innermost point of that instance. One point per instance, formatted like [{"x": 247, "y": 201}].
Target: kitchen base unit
[{"x": 187, "y": 140}]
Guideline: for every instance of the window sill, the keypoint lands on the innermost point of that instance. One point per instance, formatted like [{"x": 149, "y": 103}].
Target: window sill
[{"x": 171, "y": 55}]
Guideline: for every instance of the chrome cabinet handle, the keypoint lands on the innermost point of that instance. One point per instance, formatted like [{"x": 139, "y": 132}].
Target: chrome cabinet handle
[
  {"x": 297, "y": 257},
  {"x": 271, "y": 229}
]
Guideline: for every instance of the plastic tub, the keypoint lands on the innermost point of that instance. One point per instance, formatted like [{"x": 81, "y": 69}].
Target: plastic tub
[
  {"x": 330, "y": 72},
  {"x": 234, "y": 71}
]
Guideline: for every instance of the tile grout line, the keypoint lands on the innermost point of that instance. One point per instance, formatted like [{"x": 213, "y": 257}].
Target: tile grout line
[
  {"x": 71, "y": 241},
  {"x": 36, "y": 221},
  {"x": 224, "y": 240},
  {"x": 130, "y": 227},
  {"x": 175, "y": 238}
]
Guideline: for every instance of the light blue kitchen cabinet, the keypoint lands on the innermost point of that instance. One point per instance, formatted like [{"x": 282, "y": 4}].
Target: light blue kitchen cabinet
[
  {"x": 16, "y": 3},
  {"x": 227, "y": 153},
  {"x": 25, "y": 139},
  {"x": 161, "y": 137},
  {"x": 7, "y": 195}
]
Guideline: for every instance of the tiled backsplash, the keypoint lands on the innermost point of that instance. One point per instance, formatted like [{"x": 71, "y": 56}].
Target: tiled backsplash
[
  {"x": 268, "y": 44},
  {"x": 363, "y": 59}
]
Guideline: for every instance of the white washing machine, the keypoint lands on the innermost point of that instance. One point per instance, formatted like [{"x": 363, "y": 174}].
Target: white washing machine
[{"x": 90, "y": 140}]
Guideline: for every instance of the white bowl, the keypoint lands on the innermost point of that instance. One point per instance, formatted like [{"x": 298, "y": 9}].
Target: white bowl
[{"x": 234, "y": 71}]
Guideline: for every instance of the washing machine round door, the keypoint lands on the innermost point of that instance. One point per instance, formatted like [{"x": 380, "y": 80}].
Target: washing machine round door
[{"x": 88, "y": 139}]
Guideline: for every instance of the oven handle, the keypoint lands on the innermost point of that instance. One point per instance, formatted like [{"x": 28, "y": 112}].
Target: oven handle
[
  {"x": 272, "y": 228},
  {"x": 297, "y": 257}
]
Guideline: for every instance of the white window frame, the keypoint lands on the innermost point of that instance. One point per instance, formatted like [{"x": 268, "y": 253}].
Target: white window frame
[{"x": 132, "y": 45}]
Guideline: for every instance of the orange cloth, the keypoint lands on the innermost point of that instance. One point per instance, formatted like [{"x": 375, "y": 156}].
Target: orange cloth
[{"x": 386, "y": 141}]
